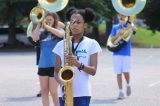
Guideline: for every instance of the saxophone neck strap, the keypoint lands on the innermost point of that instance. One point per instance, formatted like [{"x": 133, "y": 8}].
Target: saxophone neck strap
[{"x": 75, "y": 48}]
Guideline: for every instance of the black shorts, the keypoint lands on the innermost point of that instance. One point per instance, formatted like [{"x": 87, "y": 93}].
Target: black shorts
[{"x": 46, "y": 71}]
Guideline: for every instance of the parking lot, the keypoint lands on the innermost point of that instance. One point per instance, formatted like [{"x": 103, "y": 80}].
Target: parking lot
[{"x": 19, "y": 82}]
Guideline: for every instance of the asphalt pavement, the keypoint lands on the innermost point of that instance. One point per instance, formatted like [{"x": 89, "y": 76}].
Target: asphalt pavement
[{"x": 19, "y": 81}]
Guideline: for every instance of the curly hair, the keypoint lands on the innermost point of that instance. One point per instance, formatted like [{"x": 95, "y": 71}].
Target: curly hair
[{"x": 87, "y": 14}]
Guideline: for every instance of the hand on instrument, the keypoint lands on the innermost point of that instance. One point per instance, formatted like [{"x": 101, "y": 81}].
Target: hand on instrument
[
  {"x": 45, "y": 26},
  {"x": 72, "y": 60},
  {"x": 134, "y": 28},
  {"x": 120, "y": 32},
  {"x": 38, "y": 26}
]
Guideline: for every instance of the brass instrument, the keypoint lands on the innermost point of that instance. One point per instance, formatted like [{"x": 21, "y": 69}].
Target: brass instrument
[
  {"x": 128, "y": 8},
  {"x": 39, "y": 12},
  {"x": 127, "y": 32},
  {"x": 125, "y": 37},
  {"x": 66, "y": 73},
  {"x": 53, "y": 5}
]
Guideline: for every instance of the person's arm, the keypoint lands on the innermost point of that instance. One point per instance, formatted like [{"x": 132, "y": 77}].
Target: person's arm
[
  {"x": 55, "y": 31},
  {"x": 133, "y": 27},
  {"x": 61, "y": 25},
  {"x": 30, "y": 39},
  {"x": 57, "y": 69},
  {"x": 93, "y": 65},
  {"x": 118, "y": 34},
  {"x": 91, "y": 69},
  {"x": 35, "y": 35}
]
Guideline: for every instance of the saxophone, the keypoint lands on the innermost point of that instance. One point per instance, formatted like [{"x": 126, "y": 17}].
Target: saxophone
[{"x": 66, "y": 73}]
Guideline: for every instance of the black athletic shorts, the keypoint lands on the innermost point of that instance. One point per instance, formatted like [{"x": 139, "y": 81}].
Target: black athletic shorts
[{"x": 46, "y": 71}]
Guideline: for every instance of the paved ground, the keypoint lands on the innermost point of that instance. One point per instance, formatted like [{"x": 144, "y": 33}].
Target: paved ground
[{"x": 19, "y": 82}]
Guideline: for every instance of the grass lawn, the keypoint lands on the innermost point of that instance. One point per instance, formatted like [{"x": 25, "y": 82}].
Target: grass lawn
[{"x": 146, "y": 38}]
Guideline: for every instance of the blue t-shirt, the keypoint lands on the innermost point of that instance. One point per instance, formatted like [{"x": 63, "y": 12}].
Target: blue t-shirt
[
  {"x": 47, "y": 57},
  {"x": 126, "y": 49}
]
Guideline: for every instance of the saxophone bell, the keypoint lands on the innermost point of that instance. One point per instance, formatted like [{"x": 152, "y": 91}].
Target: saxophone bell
[{"x": 66, "y": 74}]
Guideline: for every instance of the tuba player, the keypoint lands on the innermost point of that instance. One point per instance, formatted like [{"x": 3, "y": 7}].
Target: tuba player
[{"x": 122, "y": 57}]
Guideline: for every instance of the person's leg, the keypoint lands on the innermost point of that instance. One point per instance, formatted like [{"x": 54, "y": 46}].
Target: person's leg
[
  {"x": 127, "y": 77},
  {"x": 37, "y": 61},
  {"x": 126, "y": 72},
  {"x": 44, "y": 84},
  {"x": 61, "y": 101},
  {"x": 117, "y": 63},
  {"x": 119, "y": 81},
  {"x": 82, "y": 101},
  {"x": 53, "y": 85},
  {"x": 128, "y": 89}
]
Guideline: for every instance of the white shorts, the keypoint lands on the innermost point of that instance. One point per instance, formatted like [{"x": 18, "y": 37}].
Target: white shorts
[{"x": 121, "y": 64}]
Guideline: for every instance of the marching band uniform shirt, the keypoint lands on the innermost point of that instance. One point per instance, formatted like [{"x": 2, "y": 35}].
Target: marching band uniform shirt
[
  {"x": 47, "y": 57},
  {"x": 81, "y": 81},
  {"x": 126, "y": 49}
]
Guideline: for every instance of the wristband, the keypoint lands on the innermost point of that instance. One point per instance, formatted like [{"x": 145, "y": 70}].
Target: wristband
[{"x": 81, "y": 67}]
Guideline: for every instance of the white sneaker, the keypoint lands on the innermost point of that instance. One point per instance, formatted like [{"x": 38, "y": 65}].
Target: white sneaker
[
  {"x": 128, "y": 91},
  {"x": 121, "y": 95}
]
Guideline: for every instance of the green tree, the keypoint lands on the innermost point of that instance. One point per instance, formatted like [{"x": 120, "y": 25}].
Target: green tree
[
  {"x": 102, "y": 8},
  {"x": 15, "y": 10},
  {"x": 151, "y": 14},
  {"x": 12, "y": 11}
]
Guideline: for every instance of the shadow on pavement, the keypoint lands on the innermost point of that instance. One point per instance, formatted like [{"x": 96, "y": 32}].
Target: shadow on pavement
[
  {"x": 103, "y": 101},
  {"x": 21, "y": 99}
]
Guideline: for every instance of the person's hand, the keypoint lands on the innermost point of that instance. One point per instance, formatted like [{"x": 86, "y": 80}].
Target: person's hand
[
  {"x": 72, "y": 60},
  {"x": 133, "y": 27},
  {"x": 44, "y": 25},
  {"x": 120, "y": 32}
]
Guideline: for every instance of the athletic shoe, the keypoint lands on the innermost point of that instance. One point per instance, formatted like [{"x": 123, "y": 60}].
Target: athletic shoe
[
  {"x": 128, "y": 92},
  {"x": 39, "y": 94},
  {"x": 121, "y": 95}
]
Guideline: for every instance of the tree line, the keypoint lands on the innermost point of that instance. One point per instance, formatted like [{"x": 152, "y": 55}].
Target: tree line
[{"x": 14, "y": 11}]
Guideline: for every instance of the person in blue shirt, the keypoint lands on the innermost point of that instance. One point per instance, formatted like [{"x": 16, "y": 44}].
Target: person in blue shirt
[
  {"x": 122, "y": 58},
  {"x": 49, "y": 34}
]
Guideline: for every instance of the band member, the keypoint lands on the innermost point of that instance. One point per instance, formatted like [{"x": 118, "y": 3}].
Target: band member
[
  {"x": 37, "y": 47},
  {"x": 84, "y": 56},
  {"x": 122, "y": 58},
  {"x": 48, "y": 34}
]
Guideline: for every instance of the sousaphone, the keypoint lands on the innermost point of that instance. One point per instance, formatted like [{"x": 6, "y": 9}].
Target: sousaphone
[
  {"x": 39, "y": 12},
  {"x": 128, "y": 8}
]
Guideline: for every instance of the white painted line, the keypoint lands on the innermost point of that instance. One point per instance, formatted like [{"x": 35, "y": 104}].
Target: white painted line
[{"x": 154, "y": 84}]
